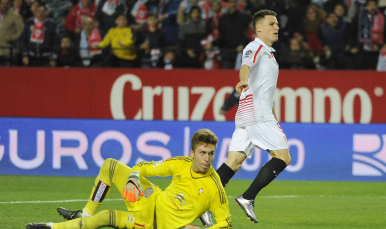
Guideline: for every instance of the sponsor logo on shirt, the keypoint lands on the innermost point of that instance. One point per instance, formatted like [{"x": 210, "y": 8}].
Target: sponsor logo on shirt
[
  {"x": 179, "y": 197},
  {"x": 158, "y": 162},
  {"x": 201, "y": 190},
  {"x": 130, "y": 218}
]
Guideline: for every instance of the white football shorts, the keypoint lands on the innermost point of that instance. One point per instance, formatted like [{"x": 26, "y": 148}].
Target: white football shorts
[{"x": 266, "y": 136}]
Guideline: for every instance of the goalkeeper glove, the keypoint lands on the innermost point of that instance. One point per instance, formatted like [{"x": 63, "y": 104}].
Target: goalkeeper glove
[{"x": 133, "y": 188}]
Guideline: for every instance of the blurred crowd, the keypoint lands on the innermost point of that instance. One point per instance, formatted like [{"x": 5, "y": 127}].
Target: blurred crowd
[{"x": 207, "y": 34}]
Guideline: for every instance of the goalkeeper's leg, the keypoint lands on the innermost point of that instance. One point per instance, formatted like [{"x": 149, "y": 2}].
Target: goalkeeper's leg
[
  {"x": 105, "y": 218},
  {"x": 111, "y": 173}
]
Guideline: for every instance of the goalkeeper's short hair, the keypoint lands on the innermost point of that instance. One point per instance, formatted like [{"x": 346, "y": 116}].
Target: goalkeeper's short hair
[{"x": 205, "y": 136}]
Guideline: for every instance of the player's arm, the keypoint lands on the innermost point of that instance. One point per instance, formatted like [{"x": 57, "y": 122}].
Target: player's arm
[
  {"x": 220, "y": 208},
  {"x": 133, "y": 189},
  {"x": 244, "y": 75},
  {"x": 106, "y": 41},
  {"x": 159, "y": 168}
]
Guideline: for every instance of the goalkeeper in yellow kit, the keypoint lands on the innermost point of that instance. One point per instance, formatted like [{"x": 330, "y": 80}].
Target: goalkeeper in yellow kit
[{"x": 195, "y": 188}]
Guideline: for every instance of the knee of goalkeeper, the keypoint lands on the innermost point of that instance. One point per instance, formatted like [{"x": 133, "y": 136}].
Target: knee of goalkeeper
[{"x": 133, "y": 189}]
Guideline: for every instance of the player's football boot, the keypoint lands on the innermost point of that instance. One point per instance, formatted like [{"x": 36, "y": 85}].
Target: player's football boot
[
  {"x": 248, "y": 206},
  {"x": 206, "y": 219},
  {"x": 68, "y": 214},
  {"x": 37, "y": 226}
]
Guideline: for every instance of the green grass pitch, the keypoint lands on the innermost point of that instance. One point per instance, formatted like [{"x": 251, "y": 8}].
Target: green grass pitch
[{"x": 283, "y": 204}]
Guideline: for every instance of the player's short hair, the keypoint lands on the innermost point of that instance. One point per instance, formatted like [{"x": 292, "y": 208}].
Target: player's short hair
[
  {"x": 205, "y": 136},
  {"x": 260, "y": 15}
]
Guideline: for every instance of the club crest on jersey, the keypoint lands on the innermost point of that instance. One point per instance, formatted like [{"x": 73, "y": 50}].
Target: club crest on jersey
[
  {"x": 158, "y": 162},
  {"x": 248, "y": 54},
  {"x": 201, "y": 190}
]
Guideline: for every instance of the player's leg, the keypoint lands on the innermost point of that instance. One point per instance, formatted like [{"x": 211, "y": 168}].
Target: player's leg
[
  {"x": 280, "y": 160},
  {"x": 231, "y": 166},
  {"x": 268, "y": 135},
  {"x": 282, "y": 154},
  {"x": 105, "y": 218},
  {"x": 239, "y": 149},
  {"x": 111, "y": 173}
]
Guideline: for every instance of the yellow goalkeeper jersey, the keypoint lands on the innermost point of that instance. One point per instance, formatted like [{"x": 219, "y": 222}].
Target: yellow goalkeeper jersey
[
  {"x": 125, "y": 35},
  {"x": 189, "y": 195}
]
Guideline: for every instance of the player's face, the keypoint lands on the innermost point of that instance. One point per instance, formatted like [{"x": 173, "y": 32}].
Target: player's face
[
  {"x": 203, "y": 156},
  {"x": 268, "y": 29}
]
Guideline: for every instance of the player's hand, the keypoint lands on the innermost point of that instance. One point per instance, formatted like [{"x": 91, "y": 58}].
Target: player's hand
[
  {"x": 242, "y": 84},
  {"x": 192, "y": 227},
  {"x": 133, "y": 189}
]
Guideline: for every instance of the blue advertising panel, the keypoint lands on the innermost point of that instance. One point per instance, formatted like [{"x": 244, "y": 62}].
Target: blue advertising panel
[{"x": 78, "y": 147}]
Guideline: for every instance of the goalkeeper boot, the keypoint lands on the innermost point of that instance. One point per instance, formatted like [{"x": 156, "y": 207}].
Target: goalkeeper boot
[
  {"x": 248, "y": 206},
  {"x": 206, "y": 219},
  {"x": 38, "y": 226},
  {"x": 68, "y": 214}
]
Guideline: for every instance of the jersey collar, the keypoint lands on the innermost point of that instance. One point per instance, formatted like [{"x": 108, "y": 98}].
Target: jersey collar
[
  {"x": 198, "y": 176},
  {"x": 269, "y": 49}
]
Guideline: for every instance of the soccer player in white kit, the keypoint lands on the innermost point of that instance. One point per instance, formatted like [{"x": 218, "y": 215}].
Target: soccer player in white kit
[{"x": 256, "y": 122}]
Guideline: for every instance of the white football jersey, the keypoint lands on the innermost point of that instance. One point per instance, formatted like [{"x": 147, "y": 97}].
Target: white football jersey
[{"x": 256, "y": 103}]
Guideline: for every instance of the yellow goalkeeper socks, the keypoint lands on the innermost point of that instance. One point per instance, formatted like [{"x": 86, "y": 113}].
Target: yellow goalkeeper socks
[
  {"x": 102, "y": 185},
  {"x": 107, "y": 218}
]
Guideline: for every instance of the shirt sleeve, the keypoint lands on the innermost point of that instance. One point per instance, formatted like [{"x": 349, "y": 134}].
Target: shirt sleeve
[
  {"x": 220, "y": 209},
  {"x": 161, "y": 168},
  {"x": 250, "y": 56},
  {"x": 107, "y": 40}
]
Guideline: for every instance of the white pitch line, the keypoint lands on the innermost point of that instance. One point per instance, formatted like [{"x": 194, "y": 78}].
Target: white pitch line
[
  {"x": 51, "y": 201},
  {"x": 283, "y": 196},
  {"x": 290, "y": 196}
]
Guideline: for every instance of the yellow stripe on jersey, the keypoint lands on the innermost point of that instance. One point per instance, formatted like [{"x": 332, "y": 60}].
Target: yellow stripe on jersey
[{"x": 223, "y": 198}]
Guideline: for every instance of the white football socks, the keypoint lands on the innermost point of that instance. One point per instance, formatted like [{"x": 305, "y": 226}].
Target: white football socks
[{"x": 85, "y": 214}]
